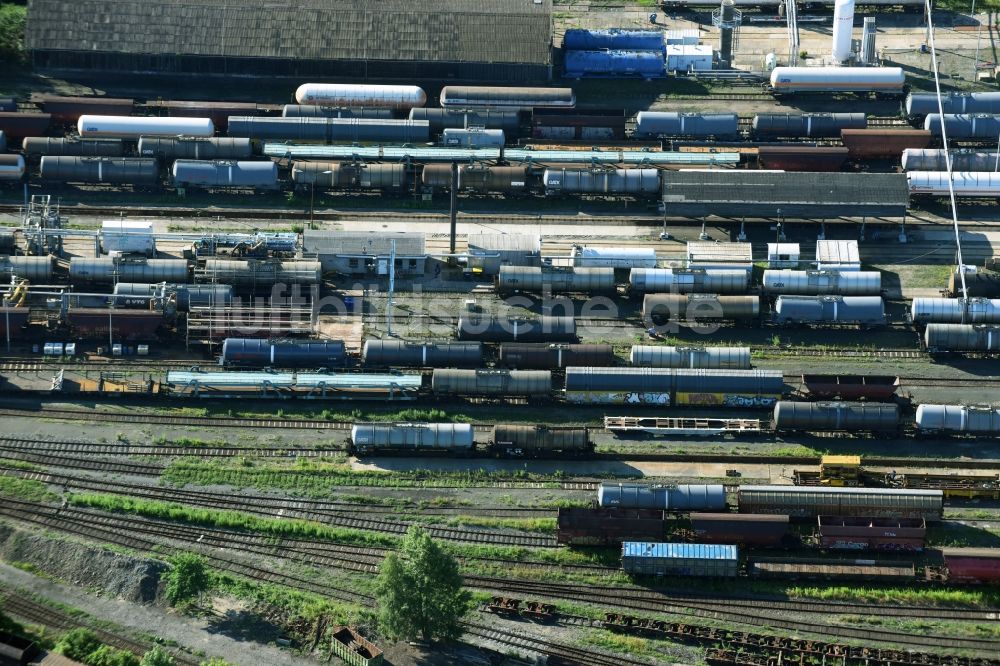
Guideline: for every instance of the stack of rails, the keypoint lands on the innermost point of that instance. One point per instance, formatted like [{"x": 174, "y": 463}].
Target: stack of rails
[{"x": 344, "y": 386}]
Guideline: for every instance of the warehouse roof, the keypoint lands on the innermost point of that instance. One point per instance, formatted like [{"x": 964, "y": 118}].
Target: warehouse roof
[
  {"x": 501, "y": 31},
  {"x": 768, "y": 194},
  {"x": 506, "y": 242},
  {"x": 408, "y": 244}
]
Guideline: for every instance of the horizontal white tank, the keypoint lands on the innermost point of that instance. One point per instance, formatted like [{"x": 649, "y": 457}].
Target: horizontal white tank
[
  {"x": 816, "y": 283},
  {"x": 951, "y": 310},
  {"x": 688, "y": 281},
  {"x": 356, "y": 94},
  {"x": 838, "y": 79},
  {"x": 711, "y": 358},
  {"x": 958, "y": 418},
  {"x": 127, "y": 127},
  {"x": 967, "y": 184},
  {"x": 932, "y": 159}
]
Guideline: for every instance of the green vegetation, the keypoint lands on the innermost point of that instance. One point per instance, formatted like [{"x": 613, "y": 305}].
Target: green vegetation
[
  {"x": 420, "y": 591},
  {"x": 230, "y": 520},
  {"x": 26, "y": 489},
  {"x": 157, "y": 657},
  {"x": 215, "y": 661},
  {"x": 186, "y": 580},
  {"x": 109, "y": 656},
  {"x": 77, "y": 643},
  {"x": 900, "y": 595},
  {"x": 630, "y": 645},
  {"x": 12, "y": 21}
]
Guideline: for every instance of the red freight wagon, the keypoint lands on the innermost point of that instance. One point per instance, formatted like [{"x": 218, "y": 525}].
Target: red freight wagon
[
  {"x": 859, "y": 533},
  {"x": 802, "y": 158},
  {"x": 745, "y": 529},
  {"x": 883, "y": 143},
  {"x": 972, "y": 565},
  {"x": 881, "y": 388},
  {"x": 607, "y": 526}
]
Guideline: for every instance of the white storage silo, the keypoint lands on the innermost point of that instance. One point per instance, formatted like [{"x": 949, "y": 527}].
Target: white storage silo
[{"x": 843, "y": 29}]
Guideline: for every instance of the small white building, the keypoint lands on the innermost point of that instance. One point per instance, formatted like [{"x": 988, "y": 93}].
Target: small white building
[
  {"x": 689, "y": 57},
  {"x": 782, "y": 255},
  {"x": 707, "y": 254},
  {"x": 838, "y": 255},
  {"x": 488, "y": 252},
  {"x": 128, "y": 237},
  {"x": 685, "y": 37}
]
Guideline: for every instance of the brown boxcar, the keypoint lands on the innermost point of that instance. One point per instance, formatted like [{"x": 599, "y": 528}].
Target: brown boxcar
[
  {"x": 802, "y": 158},
  {"x": 864, "y": 144},
  {"x": 743, "y": 529},
  {"x": 67, "y": 110},
  {"x": 578, "y": 125},
  {"x": 16, "y": 318},
  {"x": 972, "y": 565},
  {"x": 608, "y": 526},
  {"x": 126, "y": 325},
  {"x": 881, "y": 388},
  {"x": 544, "y": 357},
  {"x": 856, "y": 533},
  {"x": 867, "y": 570},
  {"x": 19, "y": 125}
]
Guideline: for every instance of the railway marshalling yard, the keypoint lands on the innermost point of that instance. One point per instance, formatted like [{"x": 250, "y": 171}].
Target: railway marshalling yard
[{"x": 106, "y": 472}]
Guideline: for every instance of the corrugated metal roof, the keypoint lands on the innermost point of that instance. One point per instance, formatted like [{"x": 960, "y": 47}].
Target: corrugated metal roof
[
  {"x": 424, "y": 154},
  {"x": 689, "y": 551},
  {"x": 618, "y": 252},
  {"x": 408, "y": 243},
  {"x": 506, "y": 242},
  {"x": 501, "y": 31},
  {"x": 838, "y": 251},
  {"x": 736, "y": 252},
  {"x": 291, "y": 379}
]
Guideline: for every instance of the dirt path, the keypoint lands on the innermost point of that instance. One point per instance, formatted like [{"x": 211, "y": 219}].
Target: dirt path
[{"x": 197, "y": 634}]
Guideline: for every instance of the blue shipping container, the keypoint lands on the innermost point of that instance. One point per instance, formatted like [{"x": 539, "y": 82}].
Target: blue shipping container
[
  {"x": 680, "y": 559},
  {"x": 647, "y": 64},
  {"x": 614, "y": 38}
]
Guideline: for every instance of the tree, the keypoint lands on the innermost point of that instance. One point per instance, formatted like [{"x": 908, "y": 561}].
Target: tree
[
  {"x": 157, "y": 657},
  {"x": 420, "y": 590},
  {"x": 77, "y": 643},
  {"x": 186, "y": 579},
  {"x": 12, "y": 20},
  {"x": 109, "y": 656}
]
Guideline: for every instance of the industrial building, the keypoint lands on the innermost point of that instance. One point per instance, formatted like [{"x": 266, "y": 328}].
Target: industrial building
[
  {"x": 488, "y": 252},
  {"x": 354, "y": 253},
  {"x": 442, "y": 40}
]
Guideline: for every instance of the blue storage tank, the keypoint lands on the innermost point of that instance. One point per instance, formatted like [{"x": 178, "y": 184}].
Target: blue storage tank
[
  {"x": 262, "y": 353},
  {"x": 579, "y": 39},
  {"x": 647, "y": 64}
]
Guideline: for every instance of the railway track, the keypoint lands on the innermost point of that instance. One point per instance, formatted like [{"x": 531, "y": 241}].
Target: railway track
[
  {"x": 108, "y": 528},
  {"x": 558, "y": 653},
  {"x": 26, "y": 609}
]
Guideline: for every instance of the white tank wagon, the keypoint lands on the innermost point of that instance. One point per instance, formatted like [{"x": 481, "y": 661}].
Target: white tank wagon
[
  {"x": 961, "y": 337},
  {"x": 864, "y": 310},
  {"x": 109, "y": 270},
  {"x": 11, "y": 167},
  {"x": 688, "y": 281},
  {"x": 653, "y": 124},
  {"x": 356, "y": 94},
  {"x": 536, "y": 280},
  {"x": 225, "y": 173},
  {"x": 955, "y": 310},
  {"x": 922, "y": 104},
  {"x": 411, "y": 437},
  {"x": 709, "y": 358},
  {"x": 956, "y": 419},
  {"x": 685, "y": 497},
  {"x": 133, "y": 127},
  {"x": 966, "y": 184},
  {"x": 601, "y": 181},
  {"x": 816, "y": 283},
  {"x": 881, "y": 80},
  {"x": 36, "y": 270},
  {"x": 255, "y": 273},
  {"x": 933, "y": 159},
  {"x": 507, "y": 97},
  {"x": 472, "y": 137},
  {"x": 962, "y": 126}
]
